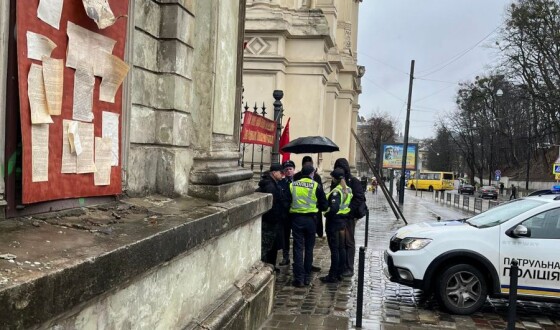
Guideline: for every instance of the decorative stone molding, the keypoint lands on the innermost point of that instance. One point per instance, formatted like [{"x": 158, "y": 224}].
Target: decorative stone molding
[
  {"x": 256, "y": 46},
  {"x": 347, "y": 27}
]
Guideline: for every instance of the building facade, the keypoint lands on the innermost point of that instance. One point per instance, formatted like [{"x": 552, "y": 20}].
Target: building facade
[
  {"x": 307, "y": 48},
  {"x": 193, "y": 259}
]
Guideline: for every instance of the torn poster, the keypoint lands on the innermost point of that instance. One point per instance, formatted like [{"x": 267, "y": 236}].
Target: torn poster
[
  {"x": 74, "y": 138},
  {"x": 69, "y": 159},
  {"x": 110, "y": 129},
  {"x": 37, "y": 96},
  {"x": 40, "y": 153},
  {"x": 53, "y": 77},
  {"x": 50, "y": 11},
  {"x": 84, "y": 82},
  {"x": 87, "y": 47},
  {"x": 102, "y": 175},
  {"x": 114, "y": 72},
  {"x": 38, "y": 46},
  {"x": 85, "y": 162},
  {"x": 100, "y": 12}
]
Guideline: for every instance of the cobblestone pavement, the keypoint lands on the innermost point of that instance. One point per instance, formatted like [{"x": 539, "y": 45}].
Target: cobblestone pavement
[{"x": 388, "y": 305}]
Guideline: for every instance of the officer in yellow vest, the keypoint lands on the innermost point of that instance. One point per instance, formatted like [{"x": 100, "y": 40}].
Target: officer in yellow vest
[
  {"x": 307, "y": 198},
  {"x": 337, "y": 216}
]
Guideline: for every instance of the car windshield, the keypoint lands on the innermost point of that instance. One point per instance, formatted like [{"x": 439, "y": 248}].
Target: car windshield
[{"x": 503, "y": 212}]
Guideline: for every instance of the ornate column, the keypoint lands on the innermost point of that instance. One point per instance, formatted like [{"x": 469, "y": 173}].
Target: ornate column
[{"x": 215, "y": 174}]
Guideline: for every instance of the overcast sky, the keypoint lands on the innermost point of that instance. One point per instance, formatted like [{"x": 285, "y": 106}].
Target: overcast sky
[{"x": 433, "y": 33}]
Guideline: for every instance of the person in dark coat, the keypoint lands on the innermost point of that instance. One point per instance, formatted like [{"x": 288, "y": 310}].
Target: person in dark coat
[
  {"x": 271, "y": 232},
  {"x": 289, "y": 170},
  {"x": 337, "y": 217},
  {"x": 357, "y": 207},
  {"x": 513, "y": 192}
]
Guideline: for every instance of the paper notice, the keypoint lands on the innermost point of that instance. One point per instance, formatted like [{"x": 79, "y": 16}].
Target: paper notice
[
  {"x": 38, "y": 46},
  {"x": 74, "y": 138},
  {"x": 40, "y": 153},
  {"x": 100, "y": 12},
  {"x": 84, "y": 82},
  {"x": 114, "y": 72},
  {"x": 69, "y": 159},
  {"x": 102, "y": 175},
  {"x": 87, "y": 47},
  {"x": 53, "y": 77},
  {"x": 49, "y": 11},
  {"x": 85, "y": 162},
  {"x": 37, "y": 97},
  {"x": 110, "y": 129}
]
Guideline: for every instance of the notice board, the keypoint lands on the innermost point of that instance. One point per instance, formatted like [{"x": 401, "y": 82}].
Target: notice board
[{"x": 66, "y": 185}]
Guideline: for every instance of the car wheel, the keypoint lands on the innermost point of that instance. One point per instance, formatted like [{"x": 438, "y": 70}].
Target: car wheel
[
  {"x": 430, "y": 189},
  {"x": 461, "y": 289},
  {"x": 412, "y": 187}
]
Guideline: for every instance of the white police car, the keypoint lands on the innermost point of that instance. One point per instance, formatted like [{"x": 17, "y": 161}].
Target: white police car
[{"x": 464, "y": 261}]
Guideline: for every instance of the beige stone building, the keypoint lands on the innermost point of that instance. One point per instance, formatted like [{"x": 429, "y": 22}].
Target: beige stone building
[
  {"x": 307, "y": 48},
  {"x": 179, "y": 246}
]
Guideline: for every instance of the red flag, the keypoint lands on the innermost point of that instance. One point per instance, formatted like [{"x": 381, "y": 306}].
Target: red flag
[{"x": 284, "y": 139}]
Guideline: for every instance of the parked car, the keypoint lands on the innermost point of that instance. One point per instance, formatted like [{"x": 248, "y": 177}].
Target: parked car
[
  {"x": 463, "y": 261},
  {"x": 466, "y": 189},
  {"x": 555, "y": 190},
  {"x": 488, "y": 191}
]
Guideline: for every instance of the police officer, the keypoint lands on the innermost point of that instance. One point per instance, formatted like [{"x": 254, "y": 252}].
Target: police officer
[
  {"x": 337, "y": 216},
  {"x": 307, "y": 198},
  {"x": 289, "y": 170}
]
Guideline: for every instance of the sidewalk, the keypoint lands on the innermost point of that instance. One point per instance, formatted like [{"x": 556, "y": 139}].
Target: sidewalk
[
  {"x": 332, "y": 306},
  {"x": 388, "y": 305}
]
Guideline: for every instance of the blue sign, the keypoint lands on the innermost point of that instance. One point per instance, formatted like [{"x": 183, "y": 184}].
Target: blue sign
[
  {"x": 556, "y": 169},
  {"x": 498, "y": 172}
]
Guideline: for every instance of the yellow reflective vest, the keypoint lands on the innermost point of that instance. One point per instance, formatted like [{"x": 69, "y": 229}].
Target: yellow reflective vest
[
  {"x": 345, "y": 199},
  {"x": 304, "y": 196}
]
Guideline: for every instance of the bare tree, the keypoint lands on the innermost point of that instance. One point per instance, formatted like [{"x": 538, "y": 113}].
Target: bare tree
[{"x": 378, "y": 129}]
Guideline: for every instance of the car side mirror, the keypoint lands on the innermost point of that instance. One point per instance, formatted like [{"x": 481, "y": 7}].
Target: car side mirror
[{"x": 519, "y": 231}]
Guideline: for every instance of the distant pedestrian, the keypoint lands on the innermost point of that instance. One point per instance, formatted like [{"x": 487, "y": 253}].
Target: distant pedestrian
[
  {"x": 374, "y": 186},
  {"x": 306, "y": 199},
  {"x": 501, "y": 188},
  {"x": 271, "y": 231},
  {"x": 513, "y": 192}
]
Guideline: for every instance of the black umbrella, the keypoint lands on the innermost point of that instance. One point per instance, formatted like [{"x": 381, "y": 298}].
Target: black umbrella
[{"x": 310, "y": 145}]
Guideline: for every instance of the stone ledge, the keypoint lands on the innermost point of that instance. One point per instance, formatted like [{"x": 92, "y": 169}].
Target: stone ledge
[
  {"x": 86, "y": 265},
  {"x": 244, "y": 306},
  {"x": 215, "y": 177},
  {"x": 223, "y": 192}
]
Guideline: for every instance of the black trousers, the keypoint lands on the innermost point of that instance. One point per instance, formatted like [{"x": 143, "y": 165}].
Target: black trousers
[
  {"x": 287, "y": 230},
  {"x": 337, "y": 245},
  {"x": 350, "y": 243},
  {"x": 269, "y": 242},
  {"x": 304, "y": 231}
]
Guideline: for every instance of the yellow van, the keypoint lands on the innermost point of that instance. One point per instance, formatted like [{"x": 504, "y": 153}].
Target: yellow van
[{"x": 432, "y": 181}]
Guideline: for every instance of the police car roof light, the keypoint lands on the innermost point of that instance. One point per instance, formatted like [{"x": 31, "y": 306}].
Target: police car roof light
[{"x": 556, "y": 188}]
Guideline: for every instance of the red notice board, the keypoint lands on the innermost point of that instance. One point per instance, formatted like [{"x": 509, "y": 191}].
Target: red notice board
[{"x": 61, "y": 186}]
